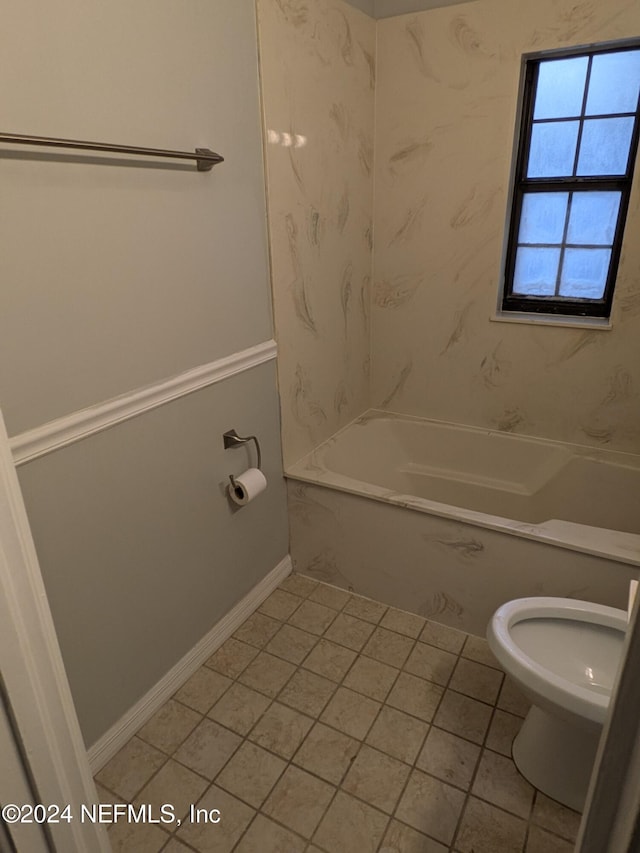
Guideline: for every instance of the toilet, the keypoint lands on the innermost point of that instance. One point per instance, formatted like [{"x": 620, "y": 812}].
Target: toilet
[{"x": 563, "y": 655}]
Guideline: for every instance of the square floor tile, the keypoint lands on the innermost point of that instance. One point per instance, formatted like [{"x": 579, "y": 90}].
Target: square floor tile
[
  {"x": 169, "y": 726},
  {"x": 486, "y": 829},
  {"x": 463, "y": 716},
  {"x": 541, "y": 841},
  {"x": 351, "y": 825},
  {"x": 280, "y": 604},
  {"x": 499, "y": 782},
  {"x": 502, "y": 731},
  {"x": 251, "y": 774},
  {"x": 430, "y": 663},
  {"x": 415, "y": 696},
  {"x": 403, "y": 622},
  {"x": 257, "y": 630},
  {"x": 141, "y": 837},
  {"x": 555, "y": 817},
  {"x": 208, "y": 748},
  {"x": 173, "y": 784},
  {"x": 443, "y": 637},
  {"x": 221, "y": 837},
  {"x": 389, "y": 647},
  {"x": 175, "y": 846},
  {"x": 365, "y": 608},
  {"x": 349, "y": 631},
  {"x": 299, "y": 801},
  {"x": 232, "y": 657},
  {"x": 307, "y": 692},
  {"x": 327, "y": 753},
  {"x": 476, "y": 680},
  {"x": 376, "y": 778},
  {"x": 351, "y": 713},
  {"x": 292, "y": 644},
  {"x": 240, "y": 708},
  {"x": 449, "y": 757},
  {"x": 371, "y": 677},
  {"x": 431, "y": 806},
  {"x": 281, "y": 730},
  {"x": 330, "y": 660},
  {"x": 398, "y": 734},
  {"x": 298, "y": 585},
  {"x": 313, "y": 617},
  {"x": 330, "y": 596},
  {"x": 106, "y": 797},
  {"x": 477, "y": 649},
  {"x": 203, "y": 689},
  {"x": 267, "y": 674},
  {"x": 402, "y": 839},
  {"x": 265, "y": 836},
  {"x": 131, "y": 768}
]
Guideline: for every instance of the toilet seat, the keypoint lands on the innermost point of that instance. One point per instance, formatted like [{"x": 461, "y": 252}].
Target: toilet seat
[{"x": 549, "y": 687}]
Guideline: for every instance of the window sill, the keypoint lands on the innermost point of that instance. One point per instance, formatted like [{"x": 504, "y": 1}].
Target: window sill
[{"x": 562, "y": 320}]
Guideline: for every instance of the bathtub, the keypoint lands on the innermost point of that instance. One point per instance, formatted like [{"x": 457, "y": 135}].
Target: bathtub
[{"x": 451, "y": 521}]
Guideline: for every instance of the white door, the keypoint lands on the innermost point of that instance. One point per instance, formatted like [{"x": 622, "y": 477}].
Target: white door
[
  {"x": 15, "y": 790},
  {"x": 42, "y": 756},
  {"x": 611, "y": 823}
]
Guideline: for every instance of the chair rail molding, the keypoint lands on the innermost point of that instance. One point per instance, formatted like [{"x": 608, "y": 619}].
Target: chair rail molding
[{"x": 70, "y": 428}]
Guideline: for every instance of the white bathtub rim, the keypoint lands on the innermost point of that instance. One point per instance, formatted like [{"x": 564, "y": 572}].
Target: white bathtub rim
[
  {"x": 615, "y": 545},
  {"x": 582, "y": 449},
  {"x": 618, "y": 546}
]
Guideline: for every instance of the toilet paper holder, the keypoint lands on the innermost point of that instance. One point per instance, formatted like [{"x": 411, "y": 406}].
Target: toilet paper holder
[{"x": 232, "y": 439}]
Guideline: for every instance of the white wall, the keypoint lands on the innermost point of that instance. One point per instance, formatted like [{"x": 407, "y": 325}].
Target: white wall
[
  {"x": 447, "y": 88},
  {"x": 318, "y": 77},
  {"x": 119, "y": 276}
]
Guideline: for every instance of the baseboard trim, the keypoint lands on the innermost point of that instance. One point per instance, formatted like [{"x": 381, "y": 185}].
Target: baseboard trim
[
  {"x": 115, "y": 738},
  {"x": 70, "y": 428}
]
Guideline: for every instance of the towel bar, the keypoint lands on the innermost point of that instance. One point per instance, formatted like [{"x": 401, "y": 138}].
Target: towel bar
[{"x": 206, "y": 159}]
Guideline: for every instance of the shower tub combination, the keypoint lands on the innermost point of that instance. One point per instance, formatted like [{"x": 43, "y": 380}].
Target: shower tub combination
[{"x": 452, "y": 521}]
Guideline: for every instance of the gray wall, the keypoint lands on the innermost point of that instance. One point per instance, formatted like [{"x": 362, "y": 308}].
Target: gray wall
[
  {"x": 141, "y": 551},
  {"x": 364, "y": 6},
  {"x": 117, "y": 277},
  {"x": 389, "y": 8}
]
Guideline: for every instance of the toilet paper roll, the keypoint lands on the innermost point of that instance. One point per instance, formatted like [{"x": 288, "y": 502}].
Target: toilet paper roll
[{"x": 247, "y": 486}]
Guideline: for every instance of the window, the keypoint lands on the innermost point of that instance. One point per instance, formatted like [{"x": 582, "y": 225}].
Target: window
[{"x": 577, "y": 148}]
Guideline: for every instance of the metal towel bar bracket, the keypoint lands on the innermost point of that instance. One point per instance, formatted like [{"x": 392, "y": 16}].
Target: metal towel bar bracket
[
  {"x": 232, "y": 439},
  {"x": 206, "y": 159}
]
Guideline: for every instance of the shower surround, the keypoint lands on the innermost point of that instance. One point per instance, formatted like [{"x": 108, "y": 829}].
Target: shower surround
[
  {"x": 318, "y": 76},
  {"x": 406, "y": 322}
]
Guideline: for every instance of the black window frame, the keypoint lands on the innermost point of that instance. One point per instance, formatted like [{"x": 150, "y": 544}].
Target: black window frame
[{"x": 521, "y": 184}]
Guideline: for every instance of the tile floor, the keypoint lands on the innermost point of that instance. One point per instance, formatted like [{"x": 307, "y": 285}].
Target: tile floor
[{"x": 330, "y": 722}]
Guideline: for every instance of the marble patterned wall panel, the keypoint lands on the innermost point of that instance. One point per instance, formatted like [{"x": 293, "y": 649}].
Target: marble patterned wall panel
[
  {"x": 452, "y": 572},
  {"x": 317, "y": 66},
  {"x": 447, "y": 87}
]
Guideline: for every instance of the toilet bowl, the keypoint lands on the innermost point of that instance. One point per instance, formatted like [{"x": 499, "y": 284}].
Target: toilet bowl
[{"x": 563, "y": 655}]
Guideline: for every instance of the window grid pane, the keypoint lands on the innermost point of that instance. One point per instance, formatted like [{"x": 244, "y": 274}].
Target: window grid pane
[
  {"x": 605, "y": 146},
  {"x": 552, "y": 152},
  {"x": 536, "y": 271},
  {"x": 615, "y": 83},
  {"x": 584, "y": 273},
  {"x": 561, "y": 86}
]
